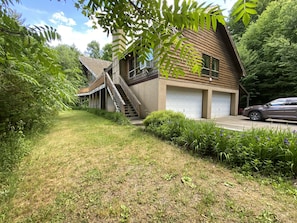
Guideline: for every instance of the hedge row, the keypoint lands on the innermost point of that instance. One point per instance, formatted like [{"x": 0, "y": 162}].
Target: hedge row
[
  {"x": 267, "y": 152},
  {"x": 116, "y": 117}
]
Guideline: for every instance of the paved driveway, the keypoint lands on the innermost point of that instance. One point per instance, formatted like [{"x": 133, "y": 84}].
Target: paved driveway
[{"x": 241, "y": 123}]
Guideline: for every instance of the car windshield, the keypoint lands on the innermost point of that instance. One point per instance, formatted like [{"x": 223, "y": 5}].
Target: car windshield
[{"x": 277, "y": 102}]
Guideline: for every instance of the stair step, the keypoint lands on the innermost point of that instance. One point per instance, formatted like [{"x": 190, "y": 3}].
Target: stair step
[{"x": 129, "y": 110}]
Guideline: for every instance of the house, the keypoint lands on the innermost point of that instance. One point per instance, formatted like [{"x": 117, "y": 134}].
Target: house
[{"x": 137, "y": 89}]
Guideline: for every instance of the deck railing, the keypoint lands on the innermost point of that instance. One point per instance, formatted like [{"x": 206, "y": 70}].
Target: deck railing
[
  {"x": 131, "y": 96},
  {"x": 114, "y": 93}
]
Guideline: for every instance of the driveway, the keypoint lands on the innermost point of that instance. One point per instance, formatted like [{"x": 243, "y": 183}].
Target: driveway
[{"x": 241, "y": 123}]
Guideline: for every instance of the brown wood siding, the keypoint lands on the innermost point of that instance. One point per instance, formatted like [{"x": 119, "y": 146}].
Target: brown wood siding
[{"x": 217, "y": 45}]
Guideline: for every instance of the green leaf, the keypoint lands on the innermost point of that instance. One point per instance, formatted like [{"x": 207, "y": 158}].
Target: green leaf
[
  {"x": 251, "y": 11},
  {"x": 239, "y": 16},
  {"x": 238, "y": 10},
  {"x": 246, "y": 19},
  {"x": 214, "y": 22}
]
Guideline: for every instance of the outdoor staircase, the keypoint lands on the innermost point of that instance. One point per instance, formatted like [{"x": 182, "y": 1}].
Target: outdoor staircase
[{"x": 130, "y": 112}]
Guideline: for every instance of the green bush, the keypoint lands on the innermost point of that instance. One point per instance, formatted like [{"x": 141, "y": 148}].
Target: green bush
[
  {"x": 13, "y": 147},
  {"x": 116, "y": 117},
  {"x": 198, "y": 136},
  {"x": 264, "y": 151},
  {"x": 267, "y": 152},
  {"x": 165, "y": 124}
]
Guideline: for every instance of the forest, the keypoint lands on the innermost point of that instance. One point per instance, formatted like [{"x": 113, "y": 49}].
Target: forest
[{"x": 268, "y": 50}]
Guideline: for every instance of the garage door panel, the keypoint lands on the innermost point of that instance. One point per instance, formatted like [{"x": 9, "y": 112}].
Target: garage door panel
[
  {"x": 221, "y": 104},
  {"x": 184, "y": 100}
]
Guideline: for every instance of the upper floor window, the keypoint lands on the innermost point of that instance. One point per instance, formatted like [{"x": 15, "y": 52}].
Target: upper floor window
[
  {"x": 137, "y": 68},
  {"x": 210, "y": 66}
]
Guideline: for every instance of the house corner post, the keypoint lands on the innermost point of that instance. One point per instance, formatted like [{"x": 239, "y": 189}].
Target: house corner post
[
  {"x": 206, "y": 107},
  {"x": 234, "y": 103}
]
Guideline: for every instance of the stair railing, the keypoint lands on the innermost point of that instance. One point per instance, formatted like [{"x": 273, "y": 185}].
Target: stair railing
[
  {"x": 114, "y": 93},
  {"x": 131, "y": 96}
]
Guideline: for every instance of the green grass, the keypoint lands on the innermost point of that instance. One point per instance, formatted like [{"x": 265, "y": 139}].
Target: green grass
[{"x": 89, "y": 169}]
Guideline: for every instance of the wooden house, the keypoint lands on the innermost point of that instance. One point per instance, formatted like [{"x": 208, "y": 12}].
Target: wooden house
[{"x": 137, "y": 89}]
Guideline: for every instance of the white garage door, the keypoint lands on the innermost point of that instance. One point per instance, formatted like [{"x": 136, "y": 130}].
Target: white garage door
[
  {"x": 185, "y": 100},
  {"x": 220, "y": 105}
]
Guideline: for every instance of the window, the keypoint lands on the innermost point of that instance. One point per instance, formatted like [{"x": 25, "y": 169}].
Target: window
[
  {"x": 135, "y": 67},
  {"x": 131, "y": 67},
  {"x": 210, "y": 66},
  {"x": 278, "y": 102},
  {"x": 291, "y": 103},
  {"x": 206, "y": 64},
  {"x": 215, "y": 68}
]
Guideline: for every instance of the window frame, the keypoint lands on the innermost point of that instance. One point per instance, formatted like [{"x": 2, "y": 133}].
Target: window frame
[
  {"x": 136, "y": 71},
  {"x": 213, "y": 66}
]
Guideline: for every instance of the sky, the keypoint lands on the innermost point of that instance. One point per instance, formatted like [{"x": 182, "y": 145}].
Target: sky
[{"x": 74, "y": 28}]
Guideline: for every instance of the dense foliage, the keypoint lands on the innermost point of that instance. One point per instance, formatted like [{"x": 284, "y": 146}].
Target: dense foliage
[
  {"x": 68, "y": 59},
  {"x": 237, "y": 29},
  {"x": 267, "y": 152},
  {"x": 116, "y": 117},
  {"x": 268, "y": 49},
  {"x": 34, "y": 86}
]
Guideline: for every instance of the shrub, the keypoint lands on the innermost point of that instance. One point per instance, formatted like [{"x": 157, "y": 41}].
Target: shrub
[
  {"x": 116, "y": 117},
  {"x": 12, "y": 147},
  {"x": 267, "y": 152},
  {"x": 165, "y": 124},
  {"x": 199, "y": 136},
  {"x": 259, "y": 150}
]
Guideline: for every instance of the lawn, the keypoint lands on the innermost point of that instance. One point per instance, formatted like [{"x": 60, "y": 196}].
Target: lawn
[{"x": 89, "y": 169}]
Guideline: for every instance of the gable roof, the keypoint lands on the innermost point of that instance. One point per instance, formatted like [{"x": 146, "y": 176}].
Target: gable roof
[
  {"x": 95, "y": 66},
  {"x": 232, "y": 45}
]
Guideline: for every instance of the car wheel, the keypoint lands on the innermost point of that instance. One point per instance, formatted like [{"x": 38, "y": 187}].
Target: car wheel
[{"x": 255, "y": 116}]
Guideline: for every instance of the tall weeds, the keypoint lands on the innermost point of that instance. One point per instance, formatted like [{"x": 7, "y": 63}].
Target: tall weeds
[{"x": 267, "y": 152}]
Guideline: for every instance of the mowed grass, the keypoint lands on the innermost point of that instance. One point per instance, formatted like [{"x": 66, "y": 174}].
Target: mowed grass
[{"x": 88, "y": 169}]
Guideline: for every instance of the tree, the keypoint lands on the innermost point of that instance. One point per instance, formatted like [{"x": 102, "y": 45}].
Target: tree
[
  {"x": 32, "y": 84},
  {"x": 156, "y": 25},
  {"x": 236, "y": 28},
  {"x": 67, "y": 57},
  {"x": 93, "y": 49},
  {"x": 107, "y": 52},
  {"x": 269, "y": 51}
]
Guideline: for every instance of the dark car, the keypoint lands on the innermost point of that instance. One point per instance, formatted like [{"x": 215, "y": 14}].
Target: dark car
[{"x": 281, "y": 108}]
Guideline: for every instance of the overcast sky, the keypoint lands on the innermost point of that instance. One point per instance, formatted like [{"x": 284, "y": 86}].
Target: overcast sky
[{"x": 70, "y": 23}]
